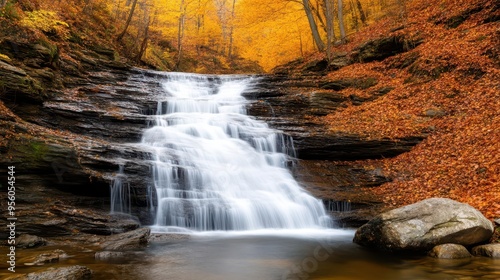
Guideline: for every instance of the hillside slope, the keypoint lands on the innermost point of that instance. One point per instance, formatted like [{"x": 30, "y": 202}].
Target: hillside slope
[{"x": 434, "y": 72}]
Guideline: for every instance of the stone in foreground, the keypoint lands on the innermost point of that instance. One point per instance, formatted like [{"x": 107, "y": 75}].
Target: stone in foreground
[
  {"x": 75, "y": 272},
  {"x": 421, "y": 226},
  {"x": 488, "y": 250},
  {"x": 449, "y": 251},
  {"x": 29, "y": 241},
  {"x": 127, "y": 241}
]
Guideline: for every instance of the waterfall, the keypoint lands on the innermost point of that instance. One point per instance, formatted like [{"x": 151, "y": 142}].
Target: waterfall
[
  {"x": 215, "y": 168},
  {"x": 120, "y": 193}
]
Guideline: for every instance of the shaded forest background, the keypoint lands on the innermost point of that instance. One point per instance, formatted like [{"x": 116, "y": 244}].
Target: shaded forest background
[{"x": 198, "y": 35}]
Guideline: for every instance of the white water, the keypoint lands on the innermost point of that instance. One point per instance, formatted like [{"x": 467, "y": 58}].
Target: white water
[{"x": 217, "y": 169}]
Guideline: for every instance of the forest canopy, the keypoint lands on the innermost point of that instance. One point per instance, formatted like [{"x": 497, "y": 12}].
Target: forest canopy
[{"x": 168, "y": 35}]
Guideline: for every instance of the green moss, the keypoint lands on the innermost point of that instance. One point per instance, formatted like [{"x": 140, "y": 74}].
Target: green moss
[
  {"x": 31, "y": 152},
  {"x": 33, "y": 86},
  {"x": 9, "y": 11},
  {"x": 75, "y": 38},
  {"x": 53, "y": 50}
]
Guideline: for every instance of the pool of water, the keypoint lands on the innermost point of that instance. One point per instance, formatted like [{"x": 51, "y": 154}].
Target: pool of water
[{"x": 300, "y": 254}]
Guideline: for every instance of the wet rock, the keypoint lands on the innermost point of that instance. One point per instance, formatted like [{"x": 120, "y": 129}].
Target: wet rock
[
  {"x": 488, "y": 250},
  {"x": 166, "y": 237},
  {"x": 76, "y": 272},
  {"x": 423, "y": 225},
  {"x": 29, "y": 241},
  {"x": 380, "y": 49},
  {"x": 339, "y": 186},
  {"x": 449, "y": 251},
  {"x": 127, "y": 241},
  {"x": 50, "y": 257},
  {"x": 94, "y": 222},
  {"x": 109, "y": 255}
]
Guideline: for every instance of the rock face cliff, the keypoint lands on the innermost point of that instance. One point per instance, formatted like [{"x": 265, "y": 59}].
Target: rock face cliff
[{"x": 68, "y": 130}]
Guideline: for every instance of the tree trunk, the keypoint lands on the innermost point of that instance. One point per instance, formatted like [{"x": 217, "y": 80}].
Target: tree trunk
[
  {"x": 402, "y": 14},
  {"x": 341, "y": 22},
  {"x": 362, "y": 14},
  {"x": 312, "y": 24},
  {"x": 129, "y": 19},
  {"x": 180, "y": 35},
  {"x": 87, "y": 7},
  {"x": 144, "y": 43},
  {"x": 354, "y": 15},
  {"x": 329, "y": 28},
  {"x": 230, "y": 51}
]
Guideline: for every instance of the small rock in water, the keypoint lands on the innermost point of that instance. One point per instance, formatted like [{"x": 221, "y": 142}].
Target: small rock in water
[
  {"x": 29, "y": 241},
  {"x": 75, "y": 272},
  {"x": 450, "y": 251},
  {"x": 128, "y": 240},
  {"x": 497, "y": 222},
  {"x": 488, "y": 250},
  {"x": 107, "y": 255},
  {"x": 165, "y": 237},
  {"x": 51, "y": 257}
]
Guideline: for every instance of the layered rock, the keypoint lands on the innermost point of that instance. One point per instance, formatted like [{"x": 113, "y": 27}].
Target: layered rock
[
  {"x": 287, "y": 104},
  {"x": 127, "y": 240}
]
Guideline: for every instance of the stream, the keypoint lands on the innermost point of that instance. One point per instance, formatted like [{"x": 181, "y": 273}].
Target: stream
[{"x": 225, "y": 205}]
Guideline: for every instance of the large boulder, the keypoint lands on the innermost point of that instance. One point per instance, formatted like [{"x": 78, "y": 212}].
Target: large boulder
[{"x": 423, "y": 225}]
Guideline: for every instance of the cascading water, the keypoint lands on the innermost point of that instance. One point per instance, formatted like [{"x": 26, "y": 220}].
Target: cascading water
[{"x": 215, "y": 168}]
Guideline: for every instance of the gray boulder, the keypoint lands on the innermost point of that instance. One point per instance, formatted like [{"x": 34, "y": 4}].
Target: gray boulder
[
  {"x": 423, "y": 225},
  {"x": 449, "y": 251},
  {"x": 488, "y": 250}
]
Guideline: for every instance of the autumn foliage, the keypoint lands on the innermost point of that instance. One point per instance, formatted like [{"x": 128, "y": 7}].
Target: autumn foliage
[{"x": 447, "y": 89}]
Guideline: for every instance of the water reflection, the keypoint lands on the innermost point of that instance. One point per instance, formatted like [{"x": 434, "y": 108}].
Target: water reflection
[{"x": 329, "y": 254}]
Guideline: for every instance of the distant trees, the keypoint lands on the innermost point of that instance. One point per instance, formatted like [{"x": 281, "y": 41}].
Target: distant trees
[
  {"x": 323, "y": 12},
  {"x": 333, "y": 21},
  {"x": 340, "y": 10},
  {"x": 271, "y": 32},
  {"x": 130, "y": 15},
  {"x": 314, "y": 27}
]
